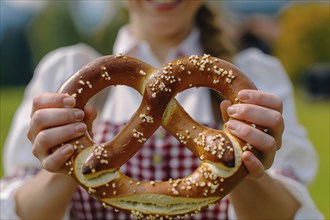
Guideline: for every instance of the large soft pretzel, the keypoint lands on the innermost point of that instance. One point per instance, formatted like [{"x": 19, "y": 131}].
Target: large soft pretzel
[{"x": 96, "y": 168}]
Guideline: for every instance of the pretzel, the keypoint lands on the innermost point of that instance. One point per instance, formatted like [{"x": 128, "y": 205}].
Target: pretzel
[{"x": 96, "y": 167}]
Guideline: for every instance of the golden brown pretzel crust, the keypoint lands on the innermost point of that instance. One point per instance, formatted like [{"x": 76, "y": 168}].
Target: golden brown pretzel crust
[{"x": 96, "y": 167}]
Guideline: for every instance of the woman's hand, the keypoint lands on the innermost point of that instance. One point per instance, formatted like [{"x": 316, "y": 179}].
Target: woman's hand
[
  {"x": 53, "y": 122},
  {"x": 263, "y": 110}
]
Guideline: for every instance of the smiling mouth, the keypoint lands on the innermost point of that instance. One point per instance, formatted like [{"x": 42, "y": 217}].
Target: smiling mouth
[{"x": 164, "y": 4}]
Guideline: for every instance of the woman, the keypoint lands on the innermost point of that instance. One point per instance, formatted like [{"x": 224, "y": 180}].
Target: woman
[{"x": 158, "y": 31}]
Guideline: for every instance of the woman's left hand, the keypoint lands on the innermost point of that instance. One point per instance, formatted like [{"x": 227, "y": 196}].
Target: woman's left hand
[{"x": 256, "y": 109}]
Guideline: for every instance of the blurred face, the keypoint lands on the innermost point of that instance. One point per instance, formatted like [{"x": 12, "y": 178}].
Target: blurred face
[{"x": 163, "y": 18}]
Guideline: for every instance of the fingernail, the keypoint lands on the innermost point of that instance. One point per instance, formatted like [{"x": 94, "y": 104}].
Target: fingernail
[
  {"x": 81, "y": 127},
  {"x": 244, "y": 96},
  {"x": 68, "y": 102},
  {"x": 232, "y": 125},
  {"x": 231, "y": 110},
  {"x": 79, "y": 115}
]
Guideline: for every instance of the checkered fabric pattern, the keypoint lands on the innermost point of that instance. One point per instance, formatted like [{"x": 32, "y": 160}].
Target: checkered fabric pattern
[{"x": 162, "y": 157}]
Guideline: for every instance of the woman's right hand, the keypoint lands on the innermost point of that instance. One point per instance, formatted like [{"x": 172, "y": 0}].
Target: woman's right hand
[{"x": 54, "y": 120}]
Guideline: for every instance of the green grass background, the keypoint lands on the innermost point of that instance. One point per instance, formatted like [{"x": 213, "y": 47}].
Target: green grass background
[{"x": 313, "y": 115}]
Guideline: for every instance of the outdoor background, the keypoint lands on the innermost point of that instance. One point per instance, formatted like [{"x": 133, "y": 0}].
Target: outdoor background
[{"x": 297, "y": 32}]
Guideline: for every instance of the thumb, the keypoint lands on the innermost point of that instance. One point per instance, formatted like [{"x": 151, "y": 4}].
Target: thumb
[
  {"x": 90, "y": 115},
  {"x": 223, "y": 108}
]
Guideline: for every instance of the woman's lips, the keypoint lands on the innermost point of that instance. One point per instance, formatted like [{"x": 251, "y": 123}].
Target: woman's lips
[{"x": 164, "y": 4}]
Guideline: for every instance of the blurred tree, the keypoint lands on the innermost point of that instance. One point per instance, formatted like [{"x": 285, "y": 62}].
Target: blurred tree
[
  {"x": 15, "y": 58},
  {"x": 305, "y": 37},
  {"x": 15, "y": 54},
  {"x": 51, "y": 29},
  {"x": 104, "y": 39},
  {"x": 23, "y": 46},
  {"x": 54, "y": 28}
]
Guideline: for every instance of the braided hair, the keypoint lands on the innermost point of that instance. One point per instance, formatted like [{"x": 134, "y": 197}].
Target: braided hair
[{"x": 214, "y": 42}]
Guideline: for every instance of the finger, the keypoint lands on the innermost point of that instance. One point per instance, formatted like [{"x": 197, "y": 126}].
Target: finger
[
  {"x": 251, "y": 135},
  {"x": 57, "y": 159},
  {"x": 50, "y": 138},
  {"x": 90, "y": 115},
  {"x": 223, "y": 109},
  {"x": 255, "y": 114},
  {"x": 264, "y": 99},
  {"x": 270, "y": 120},
  {"x": 258, "y": 139},
  {"x": 253, "y": 164},
  {"x": 59, "y": 116},
  {"x": 52, "y": 100}
]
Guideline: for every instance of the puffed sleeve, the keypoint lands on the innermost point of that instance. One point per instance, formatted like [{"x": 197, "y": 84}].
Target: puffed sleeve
[
  {"x": 18, "y": 161},
  {"x": 296, "y": 163}
]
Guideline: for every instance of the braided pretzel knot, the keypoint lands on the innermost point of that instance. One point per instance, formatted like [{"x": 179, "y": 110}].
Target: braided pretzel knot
[{"x": 96, "y": 167}]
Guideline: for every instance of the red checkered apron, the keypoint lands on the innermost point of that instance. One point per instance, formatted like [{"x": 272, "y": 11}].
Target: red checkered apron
[{"x": 162, "y": 157}]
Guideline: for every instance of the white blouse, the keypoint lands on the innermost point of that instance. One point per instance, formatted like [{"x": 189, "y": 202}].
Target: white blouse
[{"x": 297, "y": 153}]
